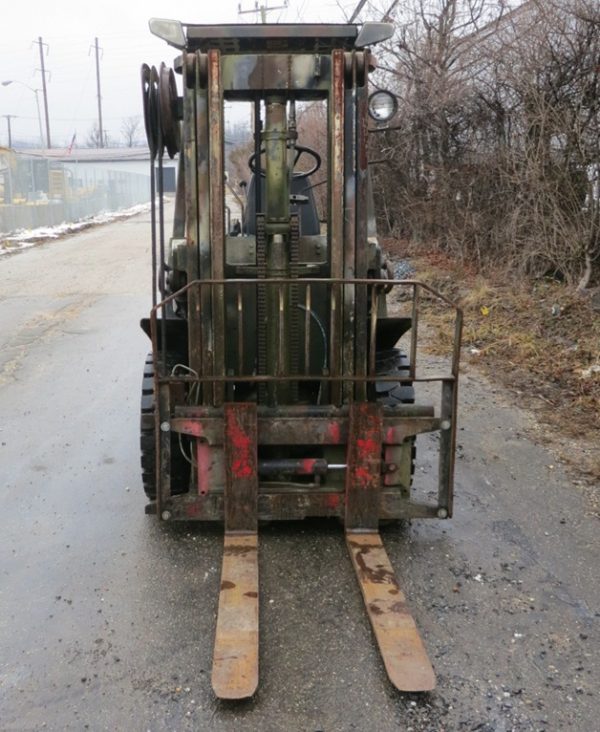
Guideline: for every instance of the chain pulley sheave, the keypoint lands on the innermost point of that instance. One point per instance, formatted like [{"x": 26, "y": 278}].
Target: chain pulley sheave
[
  {"x": 159, "y": 96},
  {"x": 169, "y": 122}
]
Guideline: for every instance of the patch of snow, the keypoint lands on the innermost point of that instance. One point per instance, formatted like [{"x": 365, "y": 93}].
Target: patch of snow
[{"x": 25, "y": 238}]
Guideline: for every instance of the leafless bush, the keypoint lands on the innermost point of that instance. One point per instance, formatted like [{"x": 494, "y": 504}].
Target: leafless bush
[
  {"x": 312, "y": 132},
  {"x": 497, "y": 155}
]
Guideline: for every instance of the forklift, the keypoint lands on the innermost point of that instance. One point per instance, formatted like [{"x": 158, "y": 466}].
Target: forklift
[{"x": 279, "y": 387}]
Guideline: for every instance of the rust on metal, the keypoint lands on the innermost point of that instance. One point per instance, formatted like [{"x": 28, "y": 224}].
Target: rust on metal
[
  {"x": 364, "y": 347},
  {"x": 241, "y": 467},
  {"x": 193, "y": 427},
  {"x": 297, "y": 430},
  {"x": 333, "y": 431},
  {"x": 270, "y": 379},
  {"x": 398, "y": 638},
  {"x": 203, "y": 465},
  {"x": 235, "y": 662},
  {"x": 336, "y": 218},
  {"x": 386, "y": 282},
  {"x": 273, "y": 401},
  {"x": 235, "y": 659},
  {"x": 193, "y": 178},
  {"x": 353, "y": 349},
  {"x": 363, "y": 474},
  {"x": 162, "y": 442},
  {"x": 217, "y": 215},
  {"x": 278, "y": 503},
  {"x": 200, "y": 341}
]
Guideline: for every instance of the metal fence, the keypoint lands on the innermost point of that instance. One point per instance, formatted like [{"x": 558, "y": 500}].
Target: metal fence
[{"x": 37, "y": 191}]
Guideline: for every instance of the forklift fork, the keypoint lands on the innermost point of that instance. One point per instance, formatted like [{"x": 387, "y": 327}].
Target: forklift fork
[
  {"x": 235, "y": 663},
  {"x": 235, "y": 660}
]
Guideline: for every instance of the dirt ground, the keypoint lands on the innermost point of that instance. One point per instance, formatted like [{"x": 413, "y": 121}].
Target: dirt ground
[{"x": 539, "y": 339}]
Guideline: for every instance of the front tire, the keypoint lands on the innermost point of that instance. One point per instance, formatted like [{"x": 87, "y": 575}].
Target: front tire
[
  {"x": 393, "y": 362},
  {"x": 180, "y": 468}
]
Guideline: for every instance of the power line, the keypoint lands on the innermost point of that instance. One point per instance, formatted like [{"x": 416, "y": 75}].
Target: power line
[{"x": 357, "y": 10}]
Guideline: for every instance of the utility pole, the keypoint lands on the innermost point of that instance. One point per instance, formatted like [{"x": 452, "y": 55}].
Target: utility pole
[
  {"x": 8, "y": 118},
  {"x": 37, "y": 104},
  {"x": 262, "y": 9},
  {"x": 45, "y": 91},
  {"x": 100, "y": 131}
]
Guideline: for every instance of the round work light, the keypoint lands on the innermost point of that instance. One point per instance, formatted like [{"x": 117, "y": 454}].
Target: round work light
[{"x": 383, "y": 105}]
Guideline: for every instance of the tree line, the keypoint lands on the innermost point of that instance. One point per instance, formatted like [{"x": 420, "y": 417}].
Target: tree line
[{"x": 494, "y": 155}]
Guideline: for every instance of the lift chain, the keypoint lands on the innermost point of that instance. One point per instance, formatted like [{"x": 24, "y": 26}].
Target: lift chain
[
  {"x": 294, "y": 337},
  {"x": 261, "y": 303}
]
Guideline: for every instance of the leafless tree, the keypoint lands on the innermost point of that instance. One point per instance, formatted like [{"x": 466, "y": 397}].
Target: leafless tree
[
  {"x": 130, "y": 130},
  {"x": 312, "y": 133},
  {"x": 496, "y": 158},
  {"x": 93, "y": 138}
]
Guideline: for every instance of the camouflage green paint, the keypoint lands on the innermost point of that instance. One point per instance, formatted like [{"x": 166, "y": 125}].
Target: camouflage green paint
[
  {"x": 277, "y": 183},
  {"x": 307, "y": 76},
  {"x": 278, "y": 65}
]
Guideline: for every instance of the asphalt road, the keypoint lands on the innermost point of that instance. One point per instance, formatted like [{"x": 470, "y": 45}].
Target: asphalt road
[{"x": 107, "y": 618}]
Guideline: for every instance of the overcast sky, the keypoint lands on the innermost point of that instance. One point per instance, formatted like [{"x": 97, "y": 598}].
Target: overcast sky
[{"x": 69, "y": 28}]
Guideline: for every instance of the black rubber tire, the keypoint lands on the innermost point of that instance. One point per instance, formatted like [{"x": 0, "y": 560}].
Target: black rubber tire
[
  {"x": 180, "y": 468},
  {"x": 391, "y": 394},
  {"x": 391, "y": 363}
]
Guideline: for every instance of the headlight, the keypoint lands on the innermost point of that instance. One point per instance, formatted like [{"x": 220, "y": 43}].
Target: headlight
[
  {"x": 170, "y": 31},
  {"x": 383, "y": 105}
]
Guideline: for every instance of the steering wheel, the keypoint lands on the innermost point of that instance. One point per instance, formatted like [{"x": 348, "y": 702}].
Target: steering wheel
[{"x": 300, "y": 150}]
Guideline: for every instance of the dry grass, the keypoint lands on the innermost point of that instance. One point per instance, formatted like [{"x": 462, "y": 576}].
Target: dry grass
[{"x": 539, "y": 339}]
